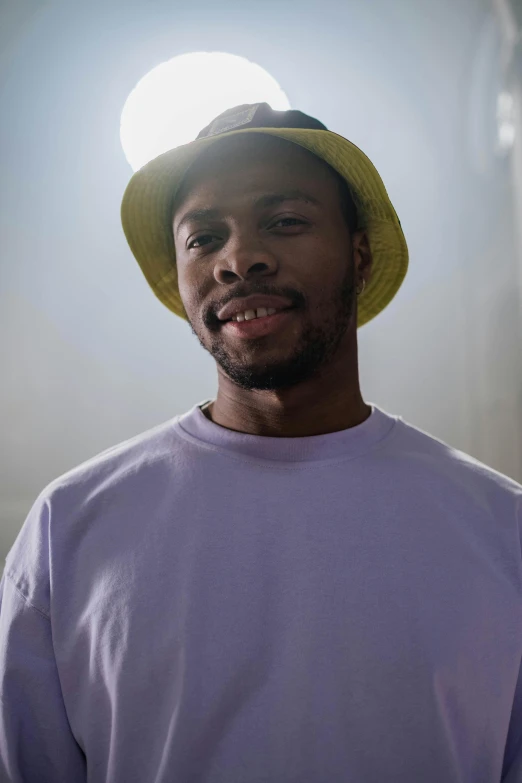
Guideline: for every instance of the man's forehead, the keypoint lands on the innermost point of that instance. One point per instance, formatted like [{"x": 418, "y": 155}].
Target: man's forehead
[
  {"x": 246, "y": 181},
  {"x": 252, "y": 179}
]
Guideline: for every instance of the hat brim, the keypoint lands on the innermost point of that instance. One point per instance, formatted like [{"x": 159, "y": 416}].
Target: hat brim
[{"x": 146, "y": 214}]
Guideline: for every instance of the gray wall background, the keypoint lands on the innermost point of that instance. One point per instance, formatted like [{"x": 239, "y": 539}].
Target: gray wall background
[{"x": 89, "y": 357}]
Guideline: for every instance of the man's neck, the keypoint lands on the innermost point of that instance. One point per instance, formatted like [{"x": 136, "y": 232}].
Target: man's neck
[{"x": 316, "y": 422}]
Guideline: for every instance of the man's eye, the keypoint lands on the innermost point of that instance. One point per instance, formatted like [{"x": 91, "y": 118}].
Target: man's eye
[
  {"x": 202, "y": 239},
  {"x": 288, "y": 221}
]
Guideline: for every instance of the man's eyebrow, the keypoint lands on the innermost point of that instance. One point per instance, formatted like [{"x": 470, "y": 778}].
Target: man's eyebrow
[
  {"x": 198, "y": 214},
  {"x": 268, "y": 200},
  {"x": 290, "y": 195}
]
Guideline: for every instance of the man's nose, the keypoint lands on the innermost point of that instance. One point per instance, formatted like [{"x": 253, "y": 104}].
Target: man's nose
[{"x": 245, "y": 255}]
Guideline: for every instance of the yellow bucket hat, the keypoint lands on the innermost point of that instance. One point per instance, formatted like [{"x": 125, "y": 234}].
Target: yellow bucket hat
[{"x": 147, "y": 205}]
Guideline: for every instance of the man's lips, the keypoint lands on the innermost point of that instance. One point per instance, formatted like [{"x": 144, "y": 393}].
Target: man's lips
[
  {"x": 279, "y": 310},
  {"x": 260, "y": 327},
  {"x": 252, "y": 302}
]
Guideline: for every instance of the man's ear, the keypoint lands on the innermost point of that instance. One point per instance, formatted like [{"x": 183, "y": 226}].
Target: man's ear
[{"x": 362, "y": 253}]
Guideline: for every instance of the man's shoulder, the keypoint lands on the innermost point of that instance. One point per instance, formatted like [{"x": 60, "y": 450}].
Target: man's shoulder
[
  {"x": 439, "y": 457},
  {"x": 116, "y": 462},
  {"x": 121, "y": 473}
]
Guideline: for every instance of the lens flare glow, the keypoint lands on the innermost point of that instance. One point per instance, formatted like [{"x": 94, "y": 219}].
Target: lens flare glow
[{"x": 174, "y": 101}]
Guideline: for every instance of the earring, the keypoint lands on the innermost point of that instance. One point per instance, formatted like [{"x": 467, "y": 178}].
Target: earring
[{"x": 359, "y": 292}]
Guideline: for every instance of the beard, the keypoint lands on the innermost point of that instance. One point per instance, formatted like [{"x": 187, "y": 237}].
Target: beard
[{"x": 317, "y": 346}]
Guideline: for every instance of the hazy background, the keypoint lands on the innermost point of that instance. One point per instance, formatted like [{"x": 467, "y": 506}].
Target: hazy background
[{"x": 89, "y": 357}]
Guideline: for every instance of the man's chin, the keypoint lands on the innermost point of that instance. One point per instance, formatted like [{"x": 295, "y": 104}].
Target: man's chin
[{"x": 268, "y": 377}]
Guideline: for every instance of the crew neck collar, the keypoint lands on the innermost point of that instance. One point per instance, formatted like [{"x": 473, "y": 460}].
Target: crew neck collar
[{"x": 344, "y": 444}]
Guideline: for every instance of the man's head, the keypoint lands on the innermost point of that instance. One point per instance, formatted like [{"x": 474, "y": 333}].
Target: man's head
[{"x": 306, "y": 249}]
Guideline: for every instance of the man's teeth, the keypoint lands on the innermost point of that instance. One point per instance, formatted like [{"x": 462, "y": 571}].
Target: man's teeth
[{"x": 251, "y": 314}]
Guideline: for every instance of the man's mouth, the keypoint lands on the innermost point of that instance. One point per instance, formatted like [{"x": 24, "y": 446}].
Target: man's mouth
[
  {"x": 259, "y": 325},
  {"x": 260, "y": 312}
]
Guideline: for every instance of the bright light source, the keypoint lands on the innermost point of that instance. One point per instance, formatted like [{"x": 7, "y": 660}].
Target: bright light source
[{"x": 178, "y": 98}]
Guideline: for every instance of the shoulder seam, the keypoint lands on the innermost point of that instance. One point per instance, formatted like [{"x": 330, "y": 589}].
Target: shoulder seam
[{"x": 12, "y": 578}]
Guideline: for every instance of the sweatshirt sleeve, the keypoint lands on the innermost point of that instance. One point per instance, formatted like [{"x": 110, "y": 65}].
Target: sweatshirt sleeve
[
  {"x": 512, "y": 766},
  {"x": 36, "y": 741}
]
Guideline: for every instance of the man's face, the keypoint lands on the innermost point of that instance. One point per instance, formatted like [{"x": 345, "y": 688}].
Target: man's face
[{"x": 297, "y": 249}]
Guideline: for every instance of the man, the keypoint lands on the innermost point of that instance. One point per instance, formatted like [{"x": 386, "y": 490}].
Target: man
[{"x": 287, "y": 583}]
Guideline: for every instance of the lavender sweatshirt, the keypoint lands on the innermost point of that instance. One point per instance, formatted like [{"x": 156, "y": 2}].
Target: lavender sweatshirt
[{"x": 202, "y": 605}]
